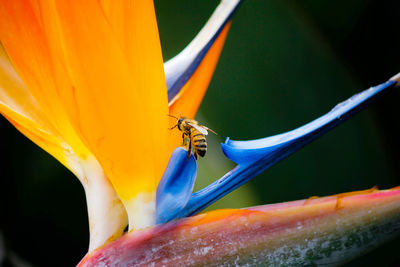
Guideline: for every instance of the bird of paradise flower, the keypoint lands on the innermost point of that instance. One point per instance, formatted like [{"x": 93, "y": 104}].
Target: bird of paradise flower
[{"x": 74, "y": 97}]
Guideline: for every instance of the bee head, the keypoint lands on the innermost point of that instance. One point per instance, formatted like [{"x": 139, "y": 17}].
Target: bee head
[{"x": 180, "y": 123}]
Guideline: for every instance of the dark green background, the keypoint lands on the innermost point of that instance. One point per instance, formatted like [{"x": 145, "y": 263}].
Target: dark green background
[{"x": 284, "y": 64}]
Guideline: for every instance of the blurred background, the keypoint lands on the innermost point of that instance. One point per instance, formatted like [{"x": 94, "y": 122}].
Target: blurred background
[{"x": 284, "y": 64}]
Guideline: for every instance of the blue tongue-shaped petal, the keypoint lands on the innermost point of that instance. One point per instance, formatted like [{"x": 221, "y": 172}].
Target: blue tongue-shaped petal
[
  {"x": 247, "y": 152},
  {"x": 255, "y": 156},
  {"x": 176, "y": 185}
]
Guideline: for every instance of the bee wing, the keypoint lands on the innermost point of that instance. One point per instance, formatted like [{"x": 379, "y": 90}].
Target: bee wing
[
  {"x": 199, "y": 128},
  {"x": 208, "y": 129}
]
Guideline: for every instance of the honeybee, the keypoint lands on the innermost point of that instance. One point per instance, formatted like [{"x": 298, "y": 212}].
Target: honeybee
[{"x": 193, "y": 135}]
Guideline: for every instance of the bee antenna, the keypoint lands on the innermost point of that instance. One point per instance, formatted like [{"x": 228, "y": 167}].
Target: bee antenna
[{"x": 172, "y": 116}]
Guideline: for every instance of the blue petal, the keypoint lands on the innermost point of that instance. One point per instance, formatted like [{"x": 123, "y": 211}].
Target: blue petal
[
  {"x": 176, "y": 185},
  {"x": 255, "y": 156},
  {"x": 180, "y": 68}
]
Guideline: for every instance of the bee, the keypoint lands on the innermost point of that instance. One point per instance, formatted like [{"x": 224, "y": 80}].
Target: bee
[{"x": 193, "y": 135}]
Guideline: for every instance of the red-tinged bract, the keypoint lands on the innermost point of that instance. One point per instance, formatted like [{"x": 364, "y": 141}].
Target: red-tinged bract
[{"x": 329, "y": 231}]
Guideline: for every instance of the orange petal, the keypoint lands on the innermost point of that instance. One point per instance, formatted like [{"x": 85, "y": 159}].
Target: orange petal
[
  {"x": 22, "y": 110},
  {"x": 13, "y": 93},
  {"x": 189, "y": 98},
  {"x": 113, "y": 102},
  {"x": 134, "y": 24},
  {"x": 107, "y": 216},
  {"x": 23, "y": 39},
  {"x": 45, "y": 140},
  {"x": 21, "y": 25}
]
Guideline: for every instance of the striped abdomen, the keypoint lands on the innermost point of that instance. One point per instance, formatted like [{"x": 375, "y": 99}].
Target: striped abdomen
[{"x": 199, "y": 143}]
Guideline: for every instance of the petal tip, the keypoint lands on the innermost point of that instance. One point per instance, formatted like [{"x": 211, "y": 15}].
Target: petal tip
[{"x": 396, "y": 78}]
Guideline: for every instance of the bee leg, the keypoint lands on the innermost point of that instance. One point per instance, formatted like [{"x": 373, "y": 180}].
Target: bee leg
[
  {"x": 173, "y": 127},
  {"x": 195, "y": 155},
  {"x": 183, "y": 139},
  {"x": 189, "y": 147}
]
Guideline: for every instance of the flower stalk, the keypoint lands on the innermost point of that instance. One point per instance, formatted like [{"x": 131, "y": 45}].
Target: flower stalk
[{"x": 106, "y": 213}]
